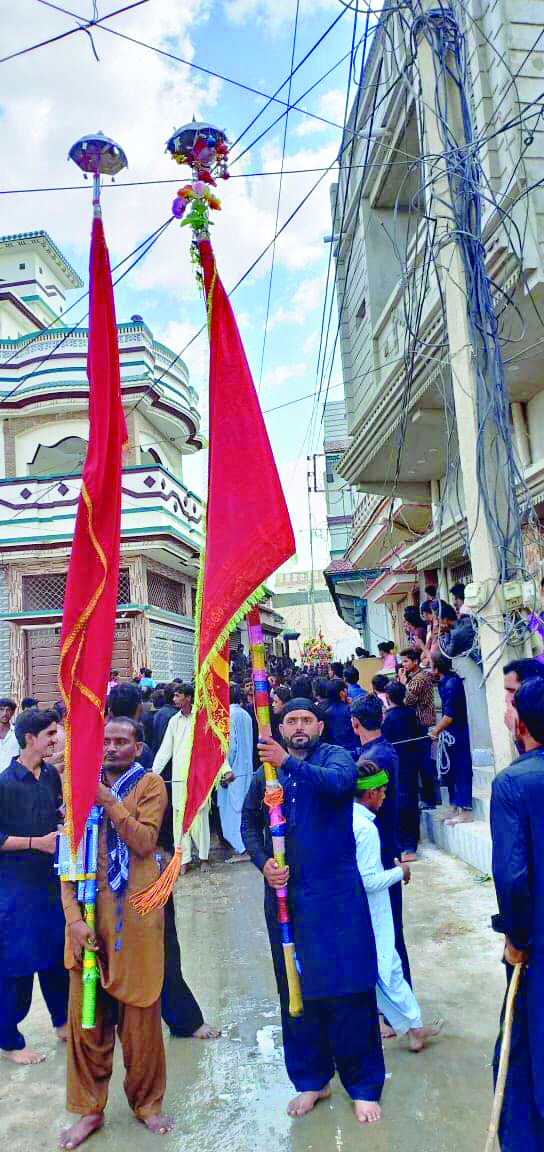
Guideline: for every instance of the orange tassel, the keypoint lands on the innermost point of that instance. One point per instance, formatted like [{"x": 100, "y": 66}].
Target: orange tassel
[
  {"x": 156, "y": 894},
  {"x": 273, "y": 797}
]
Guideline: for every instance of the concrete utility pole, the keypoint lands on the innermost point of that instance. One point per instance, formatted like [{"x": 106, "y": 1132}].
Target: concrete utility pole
[
  {"x": 311, "y": 595},
  {"x": 451, "y": 271}
]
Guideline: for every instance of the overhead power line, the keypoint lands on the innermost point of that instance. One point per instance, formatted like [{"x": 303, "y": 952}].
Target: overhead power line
[
  {"x": 84, "y": 27},
  {"x": 199, "y": 67}
]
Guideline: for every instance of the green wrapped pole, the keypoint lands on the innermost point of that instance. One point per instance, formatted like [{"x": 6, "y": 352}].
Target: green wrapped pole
[{"x": 90, "y": 974}]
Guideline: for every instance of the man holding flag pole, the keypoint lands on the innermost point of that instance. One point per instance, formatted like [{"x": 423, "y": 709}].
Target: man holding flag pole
[{"x": 115, "y": 962}]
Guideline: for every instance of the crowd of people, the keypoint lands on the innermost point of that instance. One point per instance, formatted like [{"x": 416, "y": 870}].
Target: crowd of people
[{"x": 355, "y": 765}]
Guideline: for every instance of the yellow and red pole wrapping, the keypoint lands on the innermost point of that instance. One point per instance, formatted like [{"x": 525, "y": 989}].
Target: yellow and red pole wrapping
[{"x": 273, "y": 799}]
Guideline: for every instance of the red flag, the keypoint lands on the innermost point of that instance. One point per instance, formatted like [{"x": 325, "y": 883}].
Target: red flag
[
  {"x": 248, "y": 530},
  {"x": 91, "y": 589}
]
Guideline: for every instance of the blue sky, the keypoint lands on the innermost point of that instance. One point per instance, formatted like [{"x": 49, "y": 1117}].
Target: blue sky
[{"x": 54, "y": 95}]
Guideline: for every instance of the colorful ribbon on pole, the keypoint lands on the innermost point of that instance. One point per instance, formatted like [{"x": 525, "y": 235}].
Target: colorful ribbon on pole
[
  {"x": 81, "y": 869},
  {"x": 273, "y": 799}
]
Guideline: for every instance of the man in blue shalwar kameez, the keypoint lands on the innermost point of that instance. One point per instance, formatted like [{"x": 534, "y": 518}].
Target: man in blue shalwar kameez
[
  {"x": 517, "y": 827},
  {"x": 31, "y": 916},
  {"x": 335, "y": 946}
]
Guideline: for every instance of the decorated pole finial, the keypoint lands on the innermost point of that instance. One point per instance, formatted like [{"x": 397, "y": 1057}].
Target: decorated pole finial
[
  {"x": 101, "y": 156},
  {"x": 205, "y": 149}
]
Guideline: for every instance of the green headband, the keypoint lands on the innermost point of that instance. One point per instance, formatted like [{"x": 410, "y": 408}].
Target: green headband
[{"x": 365, "y": 783}]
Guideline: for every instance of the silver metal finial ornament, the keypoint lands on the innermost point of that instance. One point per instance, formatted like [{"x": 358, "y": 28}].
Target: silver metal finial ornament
[
  {"x": 201, "y": 145},
  {"x": 99, "y": 155}
]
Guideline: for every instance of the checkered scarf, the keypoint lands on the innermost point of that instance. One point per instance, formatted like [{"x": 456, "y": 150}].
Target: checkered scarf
[{"x": 118, "y": 853}]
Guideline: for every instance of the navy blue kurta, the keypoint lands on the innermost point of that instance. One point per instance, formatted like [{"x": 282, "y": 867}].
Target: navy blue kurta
[
  {"x": 328, "y": 904},
  {"x": 339, "y": 729},
  {"x": 454, "y": 705},
  {"x": 517, "y": 827},
  {"x": 31, "y": 915}
]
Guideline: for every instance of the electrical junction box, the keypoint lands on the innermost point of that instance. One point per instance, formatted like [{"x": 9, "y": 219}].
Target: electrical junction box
[
  {"x": 475, "y": 596},
  {"x": 530, "y": 600},
  {"x": 512, "y": 595}
]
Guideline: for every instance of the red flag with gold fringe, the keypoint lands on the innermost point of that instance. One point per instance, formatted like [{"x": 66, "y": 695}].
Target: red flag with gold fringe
[
  {"x": 248, "y": 530},
  {"x": 248, "y": 536},
  {"x": 91, "y": 590}
]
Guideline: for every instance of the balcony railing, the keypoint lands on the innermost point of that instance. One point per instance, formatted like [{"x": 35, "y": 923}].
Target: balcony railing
[
  {"x": 364, "y": 511},
  {"x": 44, "y": 509}
]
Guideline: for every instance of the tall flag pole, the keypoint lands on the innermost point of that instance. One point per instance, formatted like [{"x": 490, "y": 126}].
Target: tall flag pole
[
  {"x": 273, "y": 802},
  {"x": 248, "y": 530},
  {"x": 90, "y": 602}
]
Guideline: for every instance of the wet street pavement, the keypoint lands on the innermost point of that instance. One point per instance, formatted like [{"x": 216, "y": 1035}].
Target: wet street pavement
[{"x": 230, "y": 1095}]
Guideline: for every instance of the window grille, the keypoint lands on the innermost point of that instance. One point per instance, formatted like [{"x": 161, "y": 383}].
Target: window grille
[
  {"x": 461, "y": 573},
  {"x": 45, "y": 592},
  {"x": 123, "y": 591},
  {"x": 166, "y": 593}
]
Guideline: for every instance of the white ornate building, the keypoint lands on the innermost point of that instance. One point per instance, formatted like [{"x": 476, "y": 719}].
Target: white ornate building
[{"x": 43, "y": 438}]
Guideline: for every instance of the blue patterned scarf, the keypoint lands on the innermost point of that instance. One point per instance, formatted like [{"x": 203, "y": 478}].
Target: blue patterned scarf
[{"x": 118, "y": 853}]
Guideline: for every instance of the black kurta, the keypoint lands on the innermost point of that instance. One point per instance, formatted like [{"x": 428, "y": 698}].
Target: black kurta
[
  {"x": 517, "y": 827},
  {"x": 328, "y": 904},
  {"x": 31, "y": 916}
]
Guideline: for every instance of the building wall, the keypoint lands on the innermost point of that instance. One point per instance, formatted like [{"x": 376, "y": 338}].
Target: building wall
[
  {"x": 535, "y": 424},
  {"x": 336, "y": 632},
  {"x": 4, "y": 634},
  {"x": 172, "y": 649}
]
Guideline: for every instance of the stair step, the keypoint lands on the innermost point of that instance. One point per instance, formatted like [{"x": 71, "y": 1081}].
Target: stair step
[
  {"x": 482, "y": 777},
  {"x": 471, "y": 842}
]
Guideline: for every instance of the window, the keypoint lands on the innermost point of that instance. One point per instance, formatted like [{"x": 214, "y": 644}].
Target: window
[
  {"x": 61, "y": 459},
  {"x": 40, "y": 270},
  {"x": 21, "y": 266},
  {"x": 166, "y": 593},
  {"x": 332, "y": 465},
  {"x": 150, "y": 457},
  {"x": 45, "y": 592},
  {"x": 361, "y": 311}
]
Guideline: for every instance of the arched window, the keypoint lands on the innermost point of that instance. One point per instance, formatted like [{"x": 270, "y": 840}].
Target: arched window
[
  {"x": 150, "y": 457},
  {"x": 61, "y": 459}
]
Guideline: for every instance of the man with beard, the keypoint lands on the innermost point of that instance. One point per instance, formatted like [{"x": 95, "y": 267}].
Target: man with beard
[
  {"x": 517, "y": 830},
  {"x": 331, "y": 922}
]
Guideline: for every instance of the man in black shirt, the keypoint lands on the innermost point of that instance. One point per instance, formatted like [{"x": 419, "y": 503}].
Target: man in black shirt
[{"x": 31, "y": 916}]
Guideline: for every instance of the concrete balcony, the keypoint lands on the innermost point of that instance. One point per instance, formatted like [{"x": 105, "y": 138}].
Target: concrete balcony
[
  {"x": 381, "y": 526},
  {"x": 159, "y": 514},
  {"x": 49, "y": 368}
]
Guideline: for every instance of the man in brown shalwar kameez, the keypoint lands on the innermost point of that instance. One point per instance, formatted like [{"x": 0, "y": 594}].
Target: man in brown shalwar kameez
[{"x": 130, "y": 949}]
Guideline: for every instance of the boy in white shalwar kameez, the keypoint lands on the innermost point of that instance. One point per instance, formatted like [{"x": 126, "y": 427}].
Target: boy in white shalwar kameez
[{"x": 396, "y": 1001}]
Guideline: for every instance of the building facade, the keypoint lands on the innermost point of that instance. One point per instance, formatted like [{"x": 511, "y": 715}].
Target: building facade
[
  {"x": 43, "y": 441},
  {"x": 347, "y": 584},
  {"x": 405, "y": 448},
  {"x": 293, "y": 601},
  {"x": 402, "y": 452}
]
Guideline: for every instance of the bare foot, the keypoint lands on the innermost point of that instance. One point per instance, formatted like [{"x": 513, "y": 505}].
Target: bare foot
[
  {"x": 81, "y": 1131},
  {"x": 418, "y": 1036},
  {"x": 238, "y": 858},
  {"x": 62, "y": 1033},
  {"x": 305, "y": 1101},
  {"x": 449, "y": 815},
  {"x": 183, "y": 869},
  {"x": 409, "y": 857},
  {"x": 206, "y": 1032},
  {"x": 23, "y": 1056},
  {"x": 204, "y": 866},
  {"x": 158, "y": 1124},
  {"x": 464, "y": 816},
  {"x": 367, "y": 1111},
  {"x": 386, "y": 1031}
]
